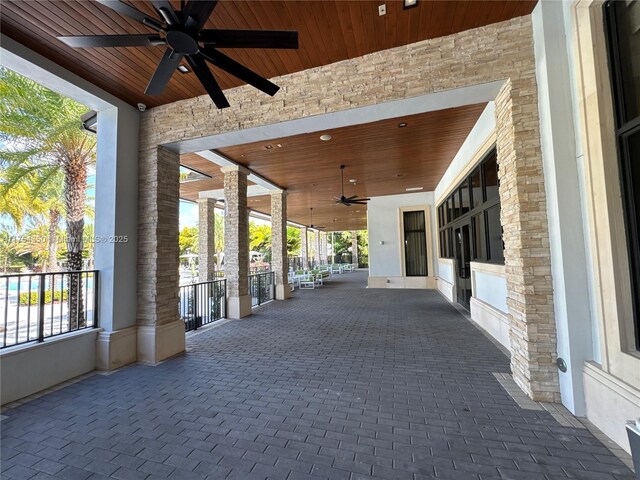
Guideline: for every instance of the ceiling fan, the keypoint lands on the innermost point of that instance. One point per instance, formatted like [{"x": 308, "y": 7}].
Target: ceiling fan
[
  {"x": 312, "y": 225},
  {"x": 353, "y": 199},
  {"x": 181, "y": 31}
]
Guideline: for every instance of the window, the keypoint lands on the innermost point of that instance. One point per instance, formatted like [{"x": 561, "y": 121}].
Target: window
[
  {"x": 476, "y": 189},
  {"x": 494, "y": 235},
  {"x": 478, "y": 203},
  {"x": 623, "y": 32},
  {"x": 415, "y": 244},
  {"x": 479, "y": 238}
]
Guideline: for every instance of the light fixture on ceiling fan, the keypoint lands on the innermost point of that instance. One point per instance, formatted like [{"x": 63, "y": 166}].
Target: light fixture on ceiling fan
[
  {"x": 311, "y": 225},
  {"x": 181, "y": 31},
  {"x": 353, "y": 199}
]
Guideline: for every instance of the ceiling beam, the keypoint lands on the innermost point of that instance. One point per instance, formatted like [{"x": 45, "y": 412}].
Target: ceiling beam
[{"x": 223, "y": 161}]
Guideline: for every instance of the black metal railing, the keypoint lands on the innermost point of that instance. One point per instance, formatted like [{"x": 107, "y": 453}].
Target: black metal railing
[
  {"x": 36, "y": 306},
  {"x": 202, "y": 303},
  {"x": 261, "y": 288}
]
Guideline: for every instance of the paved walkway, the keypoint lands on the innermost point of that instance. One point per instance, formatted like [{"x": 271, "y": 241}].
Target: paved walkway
[{"x": 340, "y": 382}]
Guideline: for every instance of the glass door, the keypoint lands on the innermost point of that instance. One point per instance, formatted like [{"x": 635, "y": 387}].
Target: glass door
[{"x": 462, "y": 239}]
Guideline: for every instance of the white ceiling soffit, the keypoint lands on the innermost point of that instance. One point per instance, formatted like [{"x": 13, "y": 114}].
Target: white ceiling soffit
[
  {"x": 354, "y": 116},
  {"x": 223, "y": 161},
  {"x": 252, "y": 191}
]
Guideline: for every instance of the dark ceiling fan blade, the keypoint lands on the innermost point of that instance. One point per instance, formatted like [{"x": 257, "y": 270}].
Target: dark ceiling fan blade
[
  {"x": 250, "y": 38},
  {"x": 200, "y": 11},
  {"x": 90, "y": 41},
  {"x": 352, "y": 197},
  {"x": 240, "y": 71},
  {"x": 166, "y": 11},
  {"x": 124, "y": 9},
  {"x": 164, "y": 71},
  {"x": 208, "y": 82},
  {"x": 358, "y": 202}
]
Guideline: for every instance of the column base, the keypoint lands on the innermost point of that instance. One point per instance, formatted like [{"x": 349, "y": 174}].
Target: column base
[
  {"x": 283, "y": 292},
  {"x": 116, "y": 349},
  {"x": 157, "y": 343},
  {"x": 238, "y": 307}
]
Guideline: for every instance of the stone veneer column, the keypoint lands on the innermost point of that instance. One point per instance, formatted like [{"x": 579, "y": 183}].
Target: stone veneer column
[
  {"x": 236, "y": 241},
  {"x": 160, "y": 331},
  {"x": 303, "y": 248},
  {"x": 323, "y": 248},
  {"x": 523, "y": 215},
  {"x": 206, "y": 239},
  {"x": 279, "y": 259},
  {"x": 354, "y": 247},
  {"x": 318, "y": 258}
]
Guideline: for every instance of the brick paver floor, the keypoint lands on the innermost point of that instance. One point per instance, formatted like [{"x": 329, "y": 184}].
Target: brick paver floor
[{"x": 341, "y": 382}]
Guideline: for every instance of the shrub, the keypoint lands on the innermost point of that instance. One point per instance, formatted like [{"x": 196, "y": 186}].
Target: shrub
[{"x": 57, "y": 296}]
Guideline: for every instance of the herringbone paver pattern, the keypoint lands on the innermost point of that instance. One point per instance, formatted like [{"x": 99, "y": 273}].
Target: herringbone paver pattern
[{"x": 339, "y": 382}]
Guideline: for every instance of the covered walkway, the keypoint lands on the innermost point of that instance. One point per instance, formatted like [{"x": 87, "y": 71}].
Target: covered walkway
[{"x": 341, "y": 382}]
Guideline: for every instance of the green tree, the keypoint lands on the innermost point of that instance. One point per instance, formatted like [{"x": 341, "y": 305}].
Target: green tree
[
  {"x": 188, "y": 240},
  {"x": 293, "y": 241},
  {"x": 259, "y": 237},
  {"x": 41, "y": 131}
]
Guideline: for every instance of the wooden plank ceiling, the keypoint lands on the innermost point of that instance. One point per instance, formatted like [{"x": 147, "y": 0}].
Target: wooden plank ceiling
[
  {"x": 382, "y": 158},
  {"x": 329, "y": 31}
]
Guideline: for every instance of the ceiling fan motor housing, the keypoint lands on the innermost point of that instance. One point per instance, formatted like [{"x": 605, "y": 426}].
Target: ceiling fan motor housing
[{"x": 182, "y": 42}]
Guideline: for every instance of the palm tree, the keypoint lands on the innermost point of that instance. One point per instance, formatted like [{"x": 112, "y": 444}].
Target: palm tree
[
  {"x": 33, "y": 196},
  {"x": 41, "y": 132}
]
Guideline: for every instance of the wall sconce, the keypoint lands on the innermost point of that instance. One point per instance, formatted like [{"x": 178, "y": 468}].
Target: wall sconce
[{"x": 381, "y": 242}]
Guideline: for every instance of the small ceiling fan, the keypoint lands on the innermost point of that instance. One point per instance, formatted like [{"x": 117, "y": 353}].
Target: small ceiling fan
[
  {"x": 353, "y": 199},
  {"x": 312, "y": 225},
  {"x": 181, "y": 31}
]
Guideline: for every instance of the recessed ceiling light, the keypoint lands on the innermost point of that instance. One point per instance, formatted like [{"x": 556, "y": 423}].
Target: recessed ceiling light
[
  {"x": 410, "y": 3},
  {"x": 413, "y": 189},
  {"x": 402, "y": 124},
  {"x": 268, "y": 147},
  {"x": 183, "y": 69},
  {"x": 325, "y": 138},
  {"x": 279, "y": 145},
  {"x": 353, "y": 180}
]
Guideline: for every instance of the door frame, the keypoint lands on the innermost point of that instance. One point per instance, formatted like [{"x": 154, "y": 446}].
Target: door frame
[{"x": 428, "y": 237}]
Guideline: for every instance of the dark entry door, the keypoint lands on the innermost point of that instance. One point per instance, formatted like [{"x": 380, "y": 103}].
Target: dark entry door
[{"x": 463, "y": 264}]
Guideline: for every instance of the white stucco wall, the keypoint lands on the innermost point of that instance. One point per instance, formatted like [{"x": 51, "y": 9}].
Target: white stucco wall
[
  {"x": 383, "y": 220},
  {"x": 479, "y": 134},
  {"x": 491, "y": 289},
  {"x": 28, "y": 369},
  {"x": 445, "y": 271}
]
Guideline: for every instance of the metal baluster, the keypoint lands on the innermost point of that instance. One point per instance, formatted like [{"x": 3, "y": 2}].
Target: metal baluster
[
  {"x": 41, "y": 303},
  {"x": 6, "y": 312},
  {"x": 86, "y": 298},
  {"x": 18, "y": 312},
  {"x": 53, "y": 292},
  {"x": 96, "y": 291}
]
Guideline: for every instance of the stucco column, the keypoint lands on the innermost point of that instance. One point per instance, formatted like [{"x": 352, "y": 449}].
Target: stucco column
[
  {"x": 354, "y": 247},
  {"x": 116, "y": 192},
  {"x": 160, "y": 330},
  {"x": 279, "y": 259},
  {"x": 236, "y": 241},
  {"x": 303, "y": 248},
  {"x": 206, "y": 239}
]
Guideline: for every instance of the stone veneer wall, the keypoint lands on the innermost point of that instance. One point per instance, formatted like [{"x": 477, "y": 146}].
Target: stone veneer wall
[
  {"x": 236, "y": 233},
  {"x": 158, "y": 249},
  {"x": 498, "y": 52},
  {"x": 523, "y": 208},
  {"x": 279, "y": 258},
  {"x": 206, "y": 239}
]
